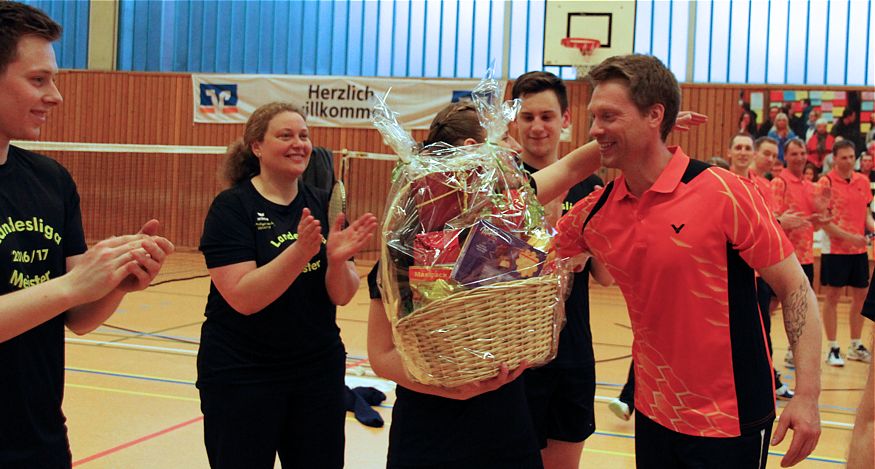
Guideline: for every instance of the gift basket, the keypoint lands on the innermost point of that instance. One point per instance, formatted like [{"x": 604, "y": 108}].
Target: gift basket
[{"x": 466, "y": 275}]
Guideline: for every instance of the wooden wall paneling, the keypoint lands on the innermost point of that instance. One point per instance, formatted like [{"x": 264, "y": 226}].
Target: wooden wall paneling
[
  {"x": 713, "y": 132},
  {"x": 689, "y": 139},
  {"x": 728, "y": 100},
  {"x": 710, "y": 132},
  {"x": 156, "y": 108}
]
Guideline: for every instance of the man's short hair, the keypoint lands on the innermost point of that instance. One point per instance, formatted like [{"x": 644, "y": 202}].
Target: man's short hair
[
  {"x": 650, "y": 83},
  {"x": 18, "y": 20},
  {"x": 719, "y": 162},
  {"x": 795, "y": 141},
  {"x": 758, "y": 142},
  {"x": 844, "y": 144},
  {"x": 536, "y": 82},
  {"x": 739, "y": 135}
]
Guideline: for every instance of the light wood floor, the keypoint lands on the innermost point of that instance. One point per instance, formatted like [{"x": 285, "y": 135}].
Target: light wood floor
[{"x": 131, "y": 401}]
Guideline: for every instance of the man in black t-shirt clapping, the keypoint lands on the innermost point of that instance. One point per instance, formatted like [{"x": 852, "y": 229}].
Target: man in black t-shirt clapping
[{"x": 48, "y": 277}]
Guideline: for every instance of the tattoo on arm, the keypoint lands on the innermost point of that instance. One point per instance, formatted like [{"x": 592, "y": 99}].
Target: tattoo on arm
[{"x": 795, "y": 311}]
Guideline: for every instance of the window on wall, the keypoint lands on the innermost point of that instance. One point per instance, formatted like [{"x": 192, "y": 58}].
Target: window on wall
[{"x": 738, "y": 41}]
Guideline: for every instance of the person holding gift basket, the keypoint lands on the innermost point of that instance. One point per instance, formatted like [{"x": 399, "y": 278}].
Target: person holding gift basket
[{"x": 482, "y": 424}]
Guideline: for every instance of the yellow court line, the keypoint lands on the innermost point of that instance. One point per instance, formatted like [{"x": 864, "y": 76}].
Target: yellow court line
[
  {"x": 611, "y": 453},
  {"x": 133, "y": 393}
]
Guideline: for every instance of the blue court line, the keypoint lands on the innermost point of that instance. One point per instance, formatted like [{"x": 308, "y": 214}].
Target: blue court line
[
  {"x": 814, "y": 458},
  {"x": 609, "y": 385},
  {"x": 122, "y": 332},
  {"x": 836, "y": 407},
  {"x": 131, "y": 376},
  {"x": 617, "y": 435}
]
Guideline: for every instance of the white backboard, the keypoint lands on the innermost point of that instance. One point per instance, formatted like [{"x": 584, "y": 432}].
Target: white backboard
[{"x": 612, "y": 23}]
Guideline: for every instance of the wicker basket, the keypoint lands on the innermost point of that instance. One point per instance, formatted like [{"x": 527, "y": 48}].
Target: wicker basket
[{"x": 464, "y": 337}]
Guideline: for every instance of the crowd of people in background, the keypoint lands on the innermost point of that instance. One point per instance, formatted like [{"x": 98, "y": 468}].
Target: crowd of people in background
[{"x": 822, "y": 177}]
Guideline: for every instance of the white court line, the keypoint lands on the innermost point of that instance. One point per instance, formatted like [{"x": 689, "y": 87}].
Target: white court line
[{"x": 150, "y": 348}]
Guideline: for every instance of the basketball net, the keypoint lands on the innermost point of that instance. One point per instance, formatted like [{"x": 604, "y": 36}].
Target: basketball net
[{"x": 586, "y": 46}]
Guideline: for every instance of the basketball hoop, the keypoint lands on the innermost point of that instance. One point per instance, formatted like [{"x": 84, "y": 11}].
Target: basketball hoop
[{"x": 585, "y": 45}]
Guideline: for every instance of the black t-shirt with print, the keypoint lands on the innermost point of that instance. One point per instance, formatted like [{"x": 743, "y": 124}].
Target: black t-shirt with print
[
  {"x": 40, "y": 226},
  {"x": 575, "y": 340},
  {"x": 431, "y": 431},
  {"x": 293, "y": 337}
]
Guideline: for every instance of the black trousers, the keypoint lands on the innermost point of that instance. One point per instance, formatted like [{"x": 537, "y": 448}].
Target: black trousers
[{"x": 247, "y": 426}]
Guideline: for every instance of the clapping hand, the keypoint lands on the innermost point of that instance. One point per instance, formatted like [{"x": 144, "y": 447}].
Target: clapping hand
[{"x": 344, "y": 243}]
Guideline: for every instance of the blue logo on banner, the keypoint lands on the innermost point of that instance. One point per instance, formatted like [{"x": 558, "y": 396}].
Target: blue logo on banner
[
  {"x": 218, "y": 98},
  {"x": 461, "y": 95}
]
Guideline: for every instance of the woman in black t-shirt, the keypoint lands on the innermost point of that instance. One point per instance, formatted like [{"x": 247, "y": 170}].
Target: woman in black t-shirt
[
  {"x": 480, "y": 425},
  {"x": 270, "y": 341}
]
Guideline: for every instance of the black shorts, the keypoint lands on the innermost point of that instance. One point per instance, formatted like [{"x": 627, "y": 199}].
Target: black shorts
[
  {"x": 809, "y": 272},
  {"x": 247, "y": 426},
  {"x": 561, "y": 402},
  {"x": 844, "y": 270},
  {"x": 657, "y": 447}
]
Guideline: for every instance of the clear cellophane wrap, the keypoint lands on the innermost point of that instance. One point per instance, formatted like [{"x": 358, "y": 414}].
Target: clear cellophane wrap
[{"x": 466, "y": 274}]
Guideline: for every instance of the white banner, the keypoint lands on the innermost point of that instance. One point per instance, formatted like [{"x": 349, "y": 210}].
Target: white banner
[{"x": 328, "y": 101}]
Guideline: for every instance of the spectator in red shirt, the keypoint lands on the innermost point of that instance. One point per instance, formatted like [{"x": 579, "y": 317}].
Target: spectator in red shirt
[
  {"x": 682, "y": 240},
  {"x": 819, "y": 145},
  {"x": 843, "y": 261},
  {"x": 866, "y": 169}
]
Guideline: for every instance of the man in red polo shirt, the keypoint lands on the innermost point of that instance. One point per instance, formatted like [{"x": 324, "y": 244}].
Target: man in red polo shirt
[
  {"x": 843, "y": 261},
  {"x": 682, "y": 239},
  {"x": 766, "y": 149},
  {"x": 794, "y": 199},
  {"x": 794, "y": 202},
  {"x": 741, "y": 155}
]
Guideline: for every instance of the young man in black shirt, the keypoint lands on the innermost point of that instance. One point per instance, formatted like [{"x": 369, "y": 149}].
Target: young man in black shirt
[
  {"x": 560, "y": 394},
  {"x": 48, "y": 277}
]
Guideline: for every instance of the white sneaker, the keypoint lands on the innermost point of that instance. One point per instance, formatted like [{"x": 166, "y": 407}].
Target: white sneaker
[
  {"x": 788, "y": 360},
  {"x": 784, "y": 393},
  {"x": 620, "y": 409},
  {"x": 834, "y": 357},
  {"x": 859, "y": 353}
]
